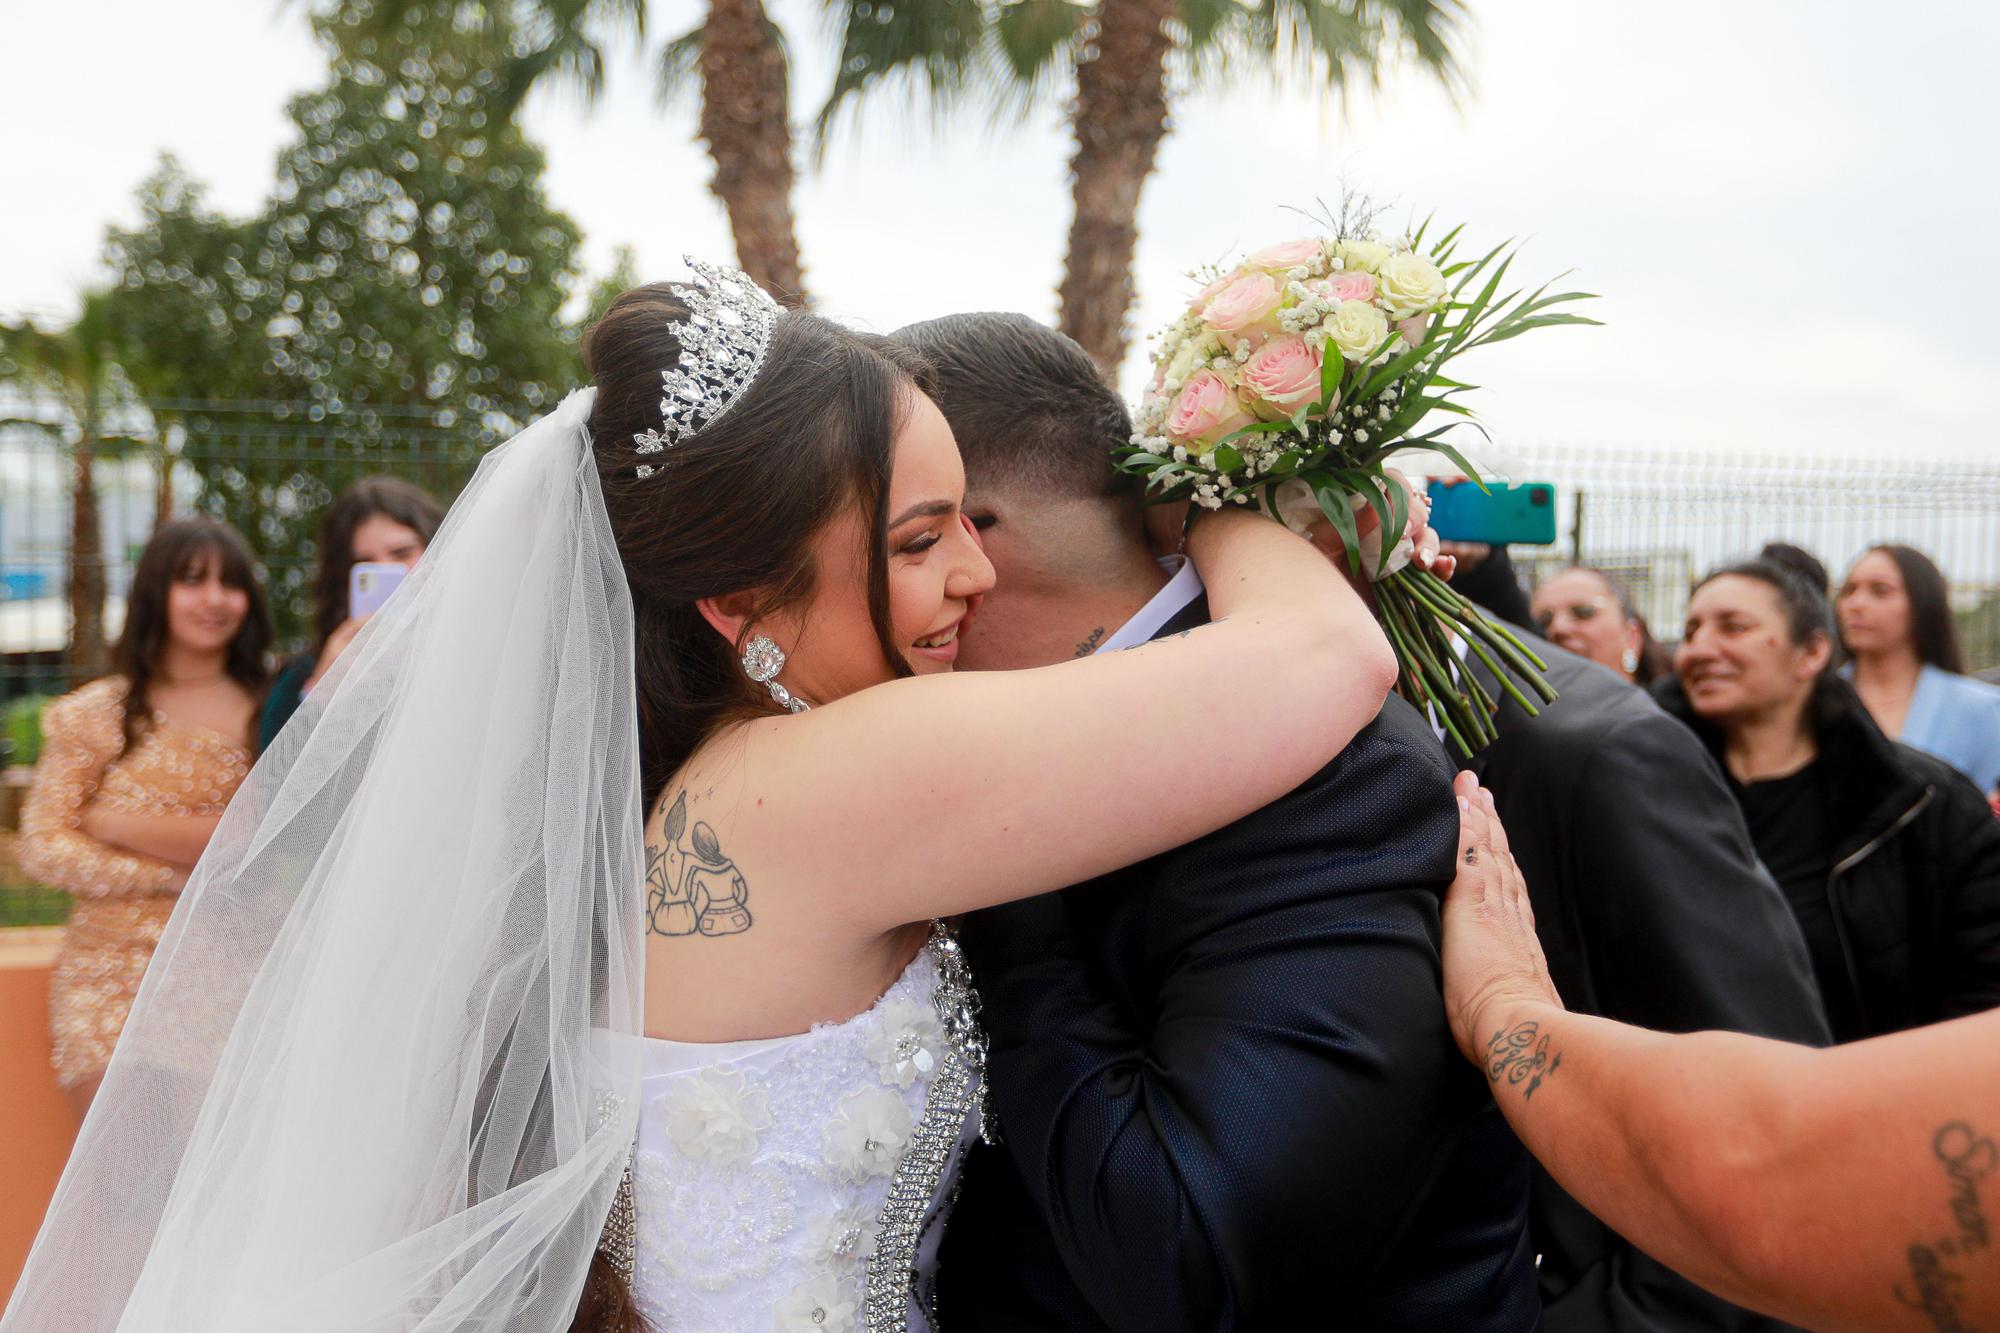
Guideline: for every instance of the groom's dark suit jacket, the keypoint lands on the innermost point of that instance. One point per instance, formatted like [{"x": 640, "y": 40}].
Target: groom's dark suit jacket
[{"x": 1227, "y": 1092}]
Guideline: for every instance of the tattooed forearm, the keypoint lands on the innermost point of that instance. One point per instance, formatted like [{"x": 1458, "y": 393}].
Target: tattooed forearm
[
  {"x": 691, "y": 887},
  {"x": 1090, "y": 642},
  {"x": 1936, "y": 1285},
  {"x": 1519, "y": 1055},
  {"x": 1968, "y": 1159}
]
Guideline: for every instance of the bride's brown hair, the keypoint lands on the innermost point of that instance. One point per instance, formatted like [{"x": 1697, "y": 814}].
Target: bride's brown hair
[
  {"x": 732, "y": 509},
  {"x": 736, "y": 507}
]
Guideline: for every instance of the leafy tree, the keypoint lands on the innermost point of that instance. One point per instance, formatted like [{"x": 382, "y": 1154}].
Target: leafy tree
[
  {"x": 396, "y": 307},
  {"x": 734, "y": 60},
  {"x": 1118, "y": 65}
]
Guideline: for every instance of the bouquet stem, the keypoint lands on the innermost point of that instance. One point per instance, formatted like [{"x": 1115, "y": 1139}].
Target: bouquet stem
[{"x": 1421, "y": 615}]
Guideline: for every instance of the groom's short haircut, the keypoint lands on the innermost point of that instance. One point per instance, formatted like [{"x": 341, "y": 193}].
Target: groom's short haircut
[{"x": 1028, "y": 406}]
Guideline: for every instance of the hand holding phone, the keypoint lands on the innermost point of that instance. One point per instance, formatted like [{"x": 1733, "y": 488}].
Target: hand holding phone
[{"x": 369, "y": 585}]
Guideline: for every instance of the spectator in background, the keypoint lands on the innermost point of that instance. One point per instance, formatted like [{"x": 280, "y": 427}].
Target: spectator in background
[
  {"x": 134, "y": 774},
  {"x": 1895, "y": 621},
  {"x": 1800, "y": 561},
  {"x": 377, "y": 520},
  {"x": 1890, "y": 857},
  {"x": 1591, "y": 614},
  {"x": 1653, "y": 910}
]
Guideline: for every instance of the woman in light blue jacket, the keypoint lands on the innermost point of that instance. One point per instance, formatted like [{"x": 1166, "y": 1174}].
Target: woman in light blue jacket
[{"x": 1895, "y": 621}]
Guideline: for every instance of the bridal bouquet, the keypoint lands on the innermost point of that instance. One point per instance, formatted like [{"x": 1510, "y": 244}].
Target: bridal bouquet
[{"x": 1290, "y": 381}]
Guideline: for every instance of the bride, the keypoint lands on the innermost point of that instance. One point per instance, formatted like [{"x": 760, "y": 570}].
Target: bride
[{"x": 572, "y": 959}]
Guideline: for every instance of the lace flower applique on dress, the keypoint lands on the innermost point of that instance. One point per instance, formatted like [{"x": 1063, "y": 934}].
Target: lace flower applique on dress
[{"x": 716, "y": 1115}]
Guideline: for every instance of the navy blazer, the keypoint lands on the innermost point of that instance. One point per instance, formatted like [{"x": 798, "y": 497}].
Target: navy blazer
[{"x": 1226, "y": 1090}]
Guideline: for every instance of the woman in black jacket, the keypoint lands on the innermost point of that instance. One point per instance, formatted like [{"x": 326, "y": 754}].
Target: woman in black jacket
[{"x": 1890, "y": 858}]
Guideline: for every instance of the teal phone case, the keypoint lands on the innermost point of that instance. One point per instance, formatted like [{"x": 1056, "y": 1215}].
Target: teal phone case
[{"x": 1523, "y": 515}]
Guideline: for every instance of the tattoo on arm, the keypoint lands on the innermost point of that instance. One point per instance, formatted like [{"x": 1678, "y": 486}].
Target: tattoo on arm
[
  {"x": 1936, "y": 1286},
  {"x": 1089, "y": 645},
  {"x": 1519, "y": 1055},
  {"x": 691, "y": 887}
]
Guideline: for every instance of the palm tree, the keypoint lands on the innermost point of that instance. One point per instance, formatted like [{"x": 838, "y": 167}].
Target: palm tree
[
  {"x": 1122, "y": 62},
  {"x": 735, "y": 58},
  {"x": 77, "y": 367}
]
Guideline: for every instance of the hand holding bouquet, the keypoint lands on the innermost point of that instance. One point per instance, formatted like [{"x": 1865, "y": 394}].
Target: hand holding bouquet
[{"x": 1290, "y": 381}]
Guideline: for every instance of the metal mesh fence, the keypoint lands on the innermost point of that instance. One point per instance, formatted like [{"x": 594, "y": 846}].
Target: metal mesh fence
[{"x": 1657, "y": 521}]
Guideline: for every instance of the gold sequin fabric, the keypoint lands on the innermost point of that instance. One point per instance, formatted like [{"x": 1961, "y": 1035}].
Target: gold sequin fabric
[{"x": 123, "y": 898}]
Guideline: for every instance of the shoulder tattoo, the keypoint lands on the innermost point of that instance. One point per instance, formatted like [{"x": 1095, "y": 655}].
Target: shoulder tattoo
[{"x": 692, "y": 888}]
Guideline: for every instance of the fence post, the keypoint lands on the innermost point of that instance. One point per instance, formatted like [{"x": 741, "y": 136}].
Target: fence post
[{"x": 1576, "y": 532}]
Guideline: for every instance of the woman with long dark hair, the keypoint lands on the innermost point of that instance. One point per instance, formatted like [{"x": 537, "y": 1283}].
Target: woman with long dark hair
[
  {"x": 377, "y": 520},
  {"x": 573, "y": 957},
  {"x": 134, "y": 774},
  {"x": 1890, "y": 858},
  {"x": 1895, "y": 622}
]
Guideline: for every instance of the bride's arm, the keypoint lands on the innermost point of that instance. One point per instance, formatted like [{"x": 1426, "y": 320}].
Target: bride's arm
[{"x": 940, "y": 794}]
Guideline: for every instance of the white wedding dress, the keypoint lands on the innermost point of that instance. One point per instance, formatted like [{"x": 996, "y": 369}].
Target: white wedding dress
[{"x": 800, "y": 1184}]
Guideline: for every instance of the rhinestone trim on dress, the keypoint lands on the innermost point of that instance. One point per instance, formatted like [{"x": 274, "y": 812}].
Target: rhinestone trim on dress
[
  {"x": 619, "y": 1241},
  {"x": 958, "y": 1088}
]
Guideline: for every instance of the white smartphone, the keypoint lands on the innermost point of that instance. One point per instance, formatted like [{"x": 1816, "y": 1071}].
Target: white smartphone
[{"x": 369, "y": 585}]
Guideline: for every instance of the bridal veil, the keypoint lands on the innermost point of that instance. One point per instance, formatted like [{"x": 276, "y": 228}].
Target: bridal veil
[{"x": 360, "y": 1089}]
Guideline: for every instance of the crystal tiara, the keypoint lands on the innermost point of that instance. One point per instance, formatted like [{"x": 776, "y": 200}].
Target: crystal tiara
[{"x": 723, "y": 341}]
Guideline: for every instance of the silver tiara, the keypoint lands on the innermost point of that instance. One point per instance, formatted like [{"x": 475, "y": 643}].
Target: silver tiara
[{"x": 723, "y": 341}]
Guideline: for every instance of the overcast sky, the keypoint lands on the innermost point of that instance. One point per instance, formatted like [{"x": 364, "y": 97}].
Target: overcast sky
[{"x": 1784, "y": 205}]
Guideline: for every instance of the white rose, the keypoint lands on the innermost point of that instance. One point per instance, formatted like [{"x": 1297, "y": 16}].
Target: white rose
[
  {"x": 1368, "y": 256},
  {"x": 866, "y": 1135},
  {"x": 716, "y": 1114},
  {"x": 823, "y": 1303},
  {"x": 905, "y": 1042},
  {"x": 1357, "y": 329},
  {"x": 843, "y": 1238},
  {"x": 1410, "y": 285}
]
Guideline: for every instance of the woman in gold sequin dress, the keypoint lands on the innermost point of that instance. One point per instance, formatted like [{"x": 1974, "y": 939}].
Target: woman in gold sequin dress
[{"x": 135, "y": 771}]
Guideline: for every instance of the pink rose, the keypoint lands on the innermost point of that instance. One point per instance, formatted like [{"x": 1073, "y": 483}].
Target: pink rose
[
  {"x": 1414, "y": 328},
  {"x": 1287, "y": 254},
  {"x": 1245, "y": 307},
  {"x": 1207, "y": 410},
  {"x": 1201, "y": 297},
  {"x": 1285, "y": 374},
  {"x": 1351, "y": 284}
]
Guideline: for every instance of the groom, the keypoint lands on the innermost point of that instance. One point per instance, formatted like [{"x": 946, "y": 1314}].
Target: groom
[{"x": 1225, "y": 1088}]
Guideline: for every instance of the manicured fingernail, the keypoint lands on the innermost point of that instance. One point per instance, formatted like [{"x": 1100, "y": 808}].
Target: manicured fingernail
[{"x": 1464, "y": 806}]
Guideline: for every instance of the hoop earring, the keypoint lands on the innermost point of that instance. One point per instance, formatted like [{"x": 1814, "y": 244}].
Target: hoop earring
[{"x": 762, "y": 661}]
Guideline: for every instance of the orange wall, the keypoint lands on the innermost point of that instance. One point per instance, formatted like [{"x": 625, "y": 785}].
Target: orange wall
[{"x": 36, "y": 1127}]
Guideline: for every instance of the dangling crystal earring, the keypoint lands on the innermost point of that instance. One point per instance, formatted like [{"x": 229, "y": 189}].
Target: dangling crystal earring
[
  {"x": 762, "y": 661},
  {"x": 1631, "y": 661}
]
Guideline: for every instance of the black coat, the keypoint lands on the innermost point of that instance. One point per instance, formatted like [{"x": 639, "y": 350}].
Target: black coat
[
  {"x": 1653, "y": 909},
  {"x": 1915, "y": 886},
  {"x": 1227, "y": 1093}
]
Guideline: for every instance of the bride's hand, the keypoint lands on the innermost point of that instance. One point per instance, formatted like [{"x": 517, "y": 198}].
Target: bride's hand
[
  {"x": 1426, "y": 552},
  {"x": 1491, "y": 953}
]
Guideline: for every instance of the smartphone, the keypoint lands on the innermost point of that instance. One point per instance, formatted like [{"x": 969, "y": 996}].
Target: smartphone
[
  {"x": 369, "y": 586},
  {"x": 1522, "y": 515}
]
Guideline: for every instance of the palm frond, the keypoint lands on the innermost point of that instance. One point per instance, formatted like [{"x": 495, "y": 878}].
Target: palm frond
[{"x": 930, "y": 47}]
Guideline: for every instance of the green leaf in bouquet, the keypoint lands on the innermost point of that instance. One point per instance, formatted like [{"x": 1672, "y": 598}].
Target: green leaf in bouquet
[
  {"x": 1464, "y": 464},
  {"x": 1228, "y": 458},
  {"x": 1332, "y": 371},
  {"x": 1477, "y": 267},
  {"x": 1399, "y": 518},
  {"x": 1392, "y": 370},
  {"x": 1417, "y": 241},
  {"x": 1444, "y": 245},
  {"x": 1333, "y": 503},
  {"x": 1515, "y": 330}
]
